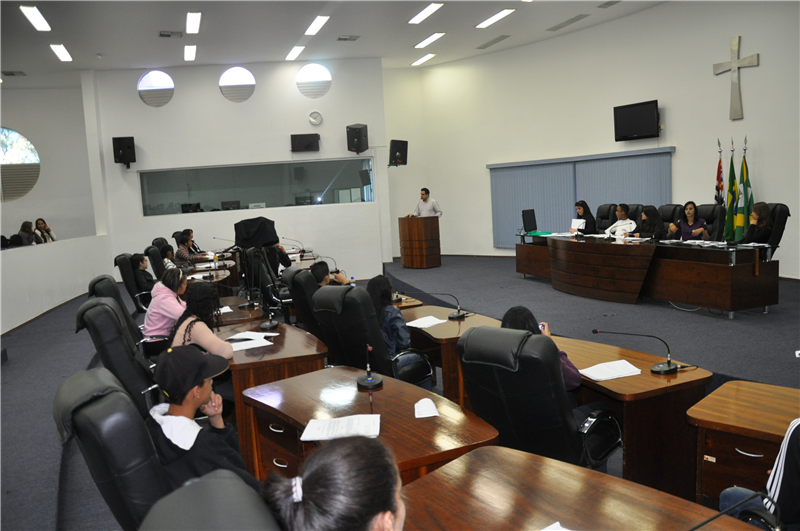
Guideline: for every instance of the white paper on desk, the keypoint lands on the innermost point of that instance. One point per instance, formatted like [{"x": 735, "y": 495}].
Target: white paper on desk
[
  {"x": 426, "y": 322},
  {"x": 578, "y": 224},
  {"x": 225, "y": 309},
  {"x": 252, "y": 343},
  {"x": 610, "y": 370},
  {"x": 352, "y": 426},
  {"x": 253, "y": 335},
  {"x": 555, "y": 527},
  {"x": 634, "y": 239},
  {"x": 555, "y": 234},
  {"x": 601, "y": 235},
  {"x": 425, "y": 408}
]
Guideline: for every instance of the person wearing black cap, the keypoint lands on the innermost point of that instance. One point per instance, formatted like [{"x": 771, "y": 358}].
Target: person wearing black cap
[{"x": 186, "y": 449}]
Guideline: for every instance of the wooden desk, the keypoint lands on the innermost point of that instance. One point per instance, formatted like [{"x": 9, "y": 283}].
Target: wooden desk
[
  {"x": 215, "y": 276},
  {"x": 500, "y": 488},
  {"x": 408, "y": 302},
  {"x": 211, "y": 265},
  {"x": 419, "y": 445},
  {"x": 238, "y": 315},
  {"x": 740, "y": 429},
  {"x": 294, "y": 352}
]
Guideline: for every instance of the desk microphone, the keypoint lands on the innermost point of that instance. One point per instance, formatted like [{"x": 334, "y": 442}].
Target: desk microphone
[
  {"x": 368, "y": 381},
  {"x": 658, "y": 368},
  {"x": 751, "y": 513},
  {"x": 302, "y": 247},
  {"x": 456, "y": 315},
  {"x": 225, "y": 240}
]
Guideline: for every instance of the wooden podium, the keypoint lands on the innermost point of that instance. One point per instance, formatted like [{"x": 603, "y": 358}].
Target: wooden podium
[{"x": 419, "y": 242}]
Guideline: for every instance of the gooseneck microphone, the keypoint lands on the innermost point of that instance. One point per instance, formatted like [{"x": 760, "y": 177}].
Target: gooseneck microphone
[
  {"x": 369, "y": 381},
  {"x": 302, "y": 247},
  {"x": 658, "y": 368},
  {"x": 456, "y": 315},
  {"x": 225, "y": 240}
]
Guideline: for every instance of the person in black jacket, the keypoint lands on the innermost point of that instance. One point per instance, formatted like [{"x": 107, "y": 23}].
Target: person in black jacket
[
  {"x": 760, "y": 228},
  {"x": 585, "y": 213},
  {"x": 652, "y": 226},
  {"x": 144, "y": 280}
]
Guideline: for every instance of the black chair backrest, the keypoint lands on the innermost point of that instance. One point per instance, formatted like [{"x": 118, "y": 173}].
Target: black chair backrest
[
  {"x": 302, "y": 288},
  {"x": 635, "y": 213},
  {"x": 669, "y": 213},
  {"x": 515, "y": 383},
  {"x": 177, "y": 237},
  {"x": 218, "y": 501},
  {"x": 347, "y": 319},
  {"x": 103, "y": 319},
  {"x": 156, "y": 262},
  {"x": 160, "y": 242},
  {"x": 106, "y": 286},
  {"x": 714, "y": 215},
  {"x": 114, "y": 441},
  {"x": 123, "y": 262},
  {"x": 606, "y": 216},
  {"x": 779, "y": 214}
]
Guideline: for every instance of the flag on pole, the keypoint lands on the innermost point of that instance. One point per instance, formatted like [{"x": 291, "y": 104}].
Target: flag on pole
[
  {"x": 718, "y": 198},
  {"x": 745, "y": 203},
  {"x": 733, "y": 199}
]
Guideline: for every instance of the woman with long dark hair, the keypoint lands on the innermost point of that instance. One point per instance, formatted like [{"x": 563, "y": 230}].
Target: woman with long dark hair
[
  {"x": 760, "y": 228},
  {"x": 652, "y": 226},
  {"x": 690, "y": 226},
  {"x": 585, "y": 213},
  {"x": 44, "y": 232},
  {"x": 164, "y": 310},
  {"x": 28, "y": 236},
  {"x": 195, "y": 325}
]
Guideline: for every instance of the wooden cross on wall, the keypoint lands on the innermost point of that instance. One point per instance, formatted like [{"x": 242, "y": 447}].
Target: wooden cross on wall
[{"x": 734, "y": 65}]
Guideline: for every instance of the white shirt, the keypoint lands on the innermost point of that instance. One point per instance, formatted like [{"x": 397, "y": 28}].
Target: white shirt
[
  {"x": 426, "y": 209},
  {"x": 180, "y": 430},
  {"x": 621, "y": 227}
]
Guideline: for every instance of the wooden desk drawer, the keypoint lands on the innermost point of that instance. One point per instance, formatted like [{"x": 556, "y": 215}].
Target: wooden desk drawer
[
  {"x": 725, "y": 463},
  {"x": 276, "y": 459},
  {"x": 279, "y": 432}
]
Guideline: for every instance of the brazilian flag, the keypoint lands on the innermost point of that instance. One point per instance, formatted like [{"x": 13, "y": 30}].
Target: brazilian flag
[{"x": 733, "y": 199}]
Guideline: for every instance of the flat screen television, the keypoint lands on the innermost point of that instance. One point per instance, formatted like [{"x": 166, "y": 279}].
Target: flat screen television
[
  {"x": 307, "y": 142},
  {"x": 231, "y": 205},
  {"x": 636, "y": 121},
  {"x": 529, "y": 220}
]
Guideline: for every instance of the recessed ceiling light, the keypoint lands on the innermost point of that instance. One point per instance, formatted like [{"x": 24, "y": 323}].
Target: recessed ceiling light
[
  {"x": 423, "y": 59},
  {"x": 316, "y": 25},
  {"x": 189, "y": 52},
  {"x": 491, "y": 20},
  {"x": 297, "y": 50},
  {"x": 35, "y": 18},
  {"x": 193, "y": 22},
  {"x": 61, "y": 52},
  {"x": 429, "y": 40},
  {"x": 425, "y": 13}
]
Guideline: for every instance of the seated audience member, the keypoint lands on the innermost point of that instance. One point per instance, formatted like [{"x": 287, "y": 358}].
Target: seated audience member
[
  {"x": 28, "y": 236},
  {"x": 393, "y": 326},
  {"x": 323, "y": 275},
  {"x": 15, "y": 241},
  {"x": 183, "y": 256},
  {"x": 193, "y": 248},
  {"x": 690, "y": 226},
  {"x": 165, "y": 308},
  {"x": 623, "y": 224},
  {"x": 44, "y": 232},
  {"x": 186, "y": 449},
  {"x": 584, "y": 213},
  {"x": 144, "y": 280},
  {"x": 760, "y": 228},
  {"x": 521, "y": 318},
  {"x": 652, "y": 225},
  {"x": 4, "y": 243},
  {"x": 783, "y": 485},
  {"x": 351, "y": 484},
  {"x": 167, "y": 256},
  {"x": 195, "y": 325}
]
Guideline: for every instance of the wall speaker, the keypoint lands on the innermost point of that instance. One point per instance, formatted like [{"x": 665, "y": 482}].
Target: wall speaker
[
  {"x": 124, "y": 150},
  {"x": 357, "y": 140},
  {"x": 365, "y": 177},
  {"x": 398, "y": 152}
]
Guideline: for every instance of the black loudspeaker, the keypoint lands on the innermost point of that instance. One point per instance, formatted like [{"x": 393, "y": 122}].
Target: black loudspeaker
[
  {"x": 398, "y": 152},
  {"x": 124, "y": 150},
  {"x": 357, "y": 140},
  {"x": 365, "y": 178}
]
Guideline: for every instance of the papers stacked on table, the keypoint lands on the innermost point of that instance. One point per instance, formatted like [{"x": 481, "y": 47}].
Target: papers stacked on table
[
  {"x": 225, "y": 309},
  {"x": 352, "y": 426},
  {"x": 247, "y": 340},
  {"x": 426, "y": 322},
  {"x": 610, "y": 370}
]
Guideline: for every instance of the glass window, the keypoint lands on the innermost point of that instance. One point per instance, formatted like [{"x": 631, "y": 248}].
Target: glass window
[
  {"x": 237, "y": 84},
  {"x": 313, "y": 80},
  {"x": 156, "y": 88},
  {"x": 20, "y": 165}
]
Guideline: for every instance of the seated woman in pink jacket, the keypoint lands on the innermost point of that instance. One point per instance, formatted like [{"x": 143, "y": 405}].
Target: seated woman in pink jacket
[{"x": 165, "y": 308}]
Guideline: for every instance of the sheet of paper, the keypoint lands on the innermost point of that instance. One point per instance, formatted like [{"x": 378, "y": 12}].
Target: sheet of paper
[
  {"x": 252, "y": 343},
  {"x": 426, "y": 322},
  {"x": 554, "y": 234},
  {"x": 225, "y": 309},
  {"x": 578, "y": 224},
  {"x": 352, "y": 426},
  {"x": 610, "y": 370},
  {"x": 425, "y": 408},
  {"x": 198, "y": 276},
  {"x": 253, "y": 335},
  {"x": 555, "y": 527}
]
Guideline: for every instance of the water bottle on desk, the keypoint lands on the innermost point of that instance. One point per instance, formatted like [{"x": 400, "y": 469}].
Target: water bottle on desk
[{"x": 353, "y": 281}]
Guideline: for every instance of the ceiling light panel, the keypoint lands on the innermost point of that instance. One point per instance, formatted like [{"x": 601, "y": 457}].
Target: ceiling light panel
[
  {"x": 491, "y": 20},
  {"x": 35, "y": 18},
  {"x": 429, "y": 40},
  {"x": 297, "y": 50},
  {"x": 193, "y": 23},
  {"x": 315, "y": 26},
  {"x": 423, "y": 59},
  {"x": 61, "y": 52},
  {"x": 189, "y": 52},
  {"x": 425, "y": 13}
]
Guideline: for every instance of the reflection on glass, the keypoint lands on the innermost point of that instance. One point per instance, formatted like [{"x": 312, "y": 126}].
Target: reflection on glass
[
  {"x": 338, "y": 396},
  {"x": 256, "y": 186}
]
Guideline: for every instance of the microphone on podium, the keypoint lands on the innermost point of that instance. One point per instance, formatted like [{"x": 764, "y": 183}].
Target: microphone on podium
[
  {"x": 369, "y": 381},
  {"x": 658, "y": 368},
  {"x": 456, "y": 315}
]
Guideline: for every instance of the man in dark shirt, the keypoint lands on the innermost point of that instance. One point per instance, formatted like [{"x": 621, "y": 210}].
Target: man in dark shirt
[
  {"x": 323, "y": 276},
  {"x": 144, "y": 280}
]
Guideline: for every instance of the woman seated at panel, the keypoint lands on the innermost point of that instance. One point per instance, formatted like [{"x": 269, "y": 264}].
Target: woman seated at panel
[
  {"x": 585, "y": 213},
  {"x": 165, "y": 308},
  {"x": 349, "y": 484},
  {"x": 690, "y": 227},
  {"x": 44, "y": 232},
  {"x": 760, "y": 228},
  {"x": 144, "y": 280},
  {"x": 193, "y": 248},
  {"x": 167, "y": 256},
  {"x": 28, "y": 236},
  {"x": 393, "y": 326},
  {"x": 184, "y": 255},
  {"x": 521, "y": 318},
  {"x": 195, "y": 325},
  {"x": 652, "y": 226}
]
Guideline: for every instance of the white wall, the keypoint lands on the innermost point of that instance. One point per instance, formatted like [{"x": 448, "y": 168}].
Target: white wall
[
  {"x": 555, "y": 99},
  {"x": 52, "y": 119}
]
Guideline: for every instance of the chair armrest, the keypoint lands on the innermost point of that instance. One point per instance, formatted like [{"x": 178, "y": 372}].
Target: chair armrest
[
  {"x": 601, "y": 436},
  {"x": 762, "y": 516},
  {"x": 151, "y": 338}
]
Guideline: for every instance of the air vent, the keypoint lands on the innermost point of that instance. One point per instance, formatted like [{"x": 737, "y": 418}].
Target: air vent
[
  {"x": 492, "y": 42},
  {"x": 170, "y": 34},
  {"x": 608, "y": 4},
  {"x": 12, "y": 73},
  {"x": 348, "y": 38},
  {"x": 566, "y": 23}
]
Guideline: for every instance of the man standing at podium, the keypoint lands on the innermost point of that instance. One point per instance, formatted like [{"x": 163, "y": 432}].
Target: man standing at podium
[{"x": 427, "y": 206}]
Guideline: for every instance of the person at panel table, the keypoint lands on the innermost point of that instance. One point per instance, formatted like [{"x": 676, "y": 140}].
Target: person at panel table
[
  {"x": 193, "y": 248},
  {"x": 323, "y": 276},
  {"x": 623, "y": 224},
  {"x": 144, "y": 280},
  {"x": 427, "y": 206},
  {"x": 164, "y": 309},
  {"x": 44, "y": 232},
  {"x": 760, "y": 228},
  {"x": 585, "y": 213},
  {"x": 195, "y": 325},
  {"x": 184, "y": 255},
  {"x": 690, "y": 226},
  {"x": 652, "y": 226}
]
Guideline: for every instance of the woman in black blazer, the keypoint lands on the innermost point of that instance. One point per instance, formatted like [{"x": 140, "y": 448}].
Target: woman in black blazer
[{"x": 585, "y": 213}]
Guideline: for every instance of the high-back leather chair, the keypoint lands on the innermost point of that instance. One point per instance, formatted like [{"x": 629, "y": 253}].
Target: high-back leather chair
[
  {"x": 218, "y": 501},
  {"x": 153, "y": 254},
  {"x": 515, "y": 383},
  {"x": 635, "y": 213},
  {"x": 605, "y": 217},
  {"x": 140, "y": 299},
  {"x": 670, "y": 213},
  {"x": 118, "y": 352},
  {"x": 302, "y": 286},
  {"x": 714, "y": 215},
  {"x": 177, "y": 237},
  {"x": 93, "y": 407},
  {"x": 348, "y": 322},
  {"x": 258, "y": 274},
  {"x": 159, "y": 242},
  {"x": 106, "y": 286},
  {"x": 779, "y": 213}
]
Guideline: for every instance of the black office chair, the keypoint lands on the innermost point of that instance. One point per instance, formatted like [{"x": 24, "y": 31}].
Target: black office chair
[
  {"x": 714, "y": 215},
  {"x": 605, "y": 217},
  {"x": 159, "y": 242},
  {"x": 153, "y": 254},
  {"x": 302, "y": 286},
  {"x": 114, "y": 441},
  {"x": 670, "y": 213},
  {"x": 515, "y": 383},
  {"x": 259, "y": 276},
  {"x": 141, "y": 299},
  {"x": 177, "y": 237},
  {"x": 348, "y": 322},
  {"x": 635, "y": 213},
  {"x": 118, "y": 351},
  {"x": 779, "y": 213},
  {"x": 218, "y": 501}
]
